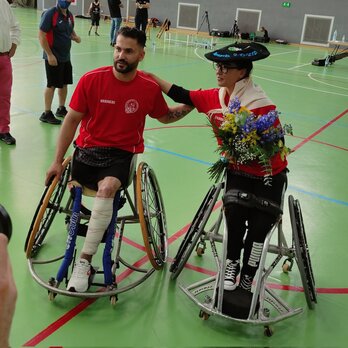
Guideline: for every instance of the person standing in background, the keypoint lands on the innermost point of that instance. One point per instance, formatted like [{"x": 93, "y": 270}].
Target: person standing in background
[
  {"x": 55, "y": 35},
  {"x": 141, "y": 14},
  {"x": 116, "y": 19},
  {"x": 94, "y": 11},
  {"x": 9, "y": 39}
]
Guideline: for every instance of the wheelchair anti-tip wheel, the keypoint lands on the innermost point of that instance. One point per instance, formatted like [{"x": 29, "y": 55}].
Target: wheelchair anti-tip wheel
[
  {"x": 46, "y": 211},
  {"x": 151, "y": 215},
  {"x": 302, "y": 252},
  {"x": 193, "y": 234}
]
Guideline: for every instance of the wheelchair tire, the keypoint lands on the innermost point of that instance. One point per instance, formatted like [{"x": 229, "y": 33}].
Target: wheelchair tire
[
  {"x": 194, "y": 232},
  {"x": 151, "y": 215},
  {"x": 46, "y": 211},
  {"x": 302, "y": 252}
]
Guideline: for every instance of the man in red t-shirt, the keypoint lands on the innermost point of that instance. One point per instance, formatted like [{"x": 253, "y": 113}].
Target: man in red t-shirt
[{"x": 110, "y": 104}]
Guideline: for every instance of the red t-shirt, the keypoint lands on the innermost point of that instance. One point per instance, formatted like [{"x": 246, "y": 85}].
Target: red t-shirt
[
  {"x": 114, "y": 111},
  {"x": 207, "y": 100}
]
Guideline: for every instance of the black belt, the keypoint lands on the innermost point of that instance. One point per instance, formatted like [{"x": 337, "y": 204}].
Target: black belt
[{"x": 4, "y": 53}]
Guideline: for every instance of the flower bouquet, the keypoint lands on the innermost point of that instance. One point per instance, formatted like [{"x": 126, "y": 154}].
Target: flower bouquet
[{"x": 245, "y": 137}]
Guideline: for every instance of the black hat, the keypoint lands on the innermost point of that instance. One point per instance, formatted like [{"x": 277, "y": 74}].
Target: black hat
[{"x": 239, "y": 53}]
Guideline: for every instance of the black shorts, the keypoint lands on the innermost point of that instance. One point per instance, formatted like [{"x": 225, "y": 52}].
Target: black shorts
[
  {"x": 60, "y": 75},
  {"x": 95, "y": 19},
  {"x": 89, "y": 176}
]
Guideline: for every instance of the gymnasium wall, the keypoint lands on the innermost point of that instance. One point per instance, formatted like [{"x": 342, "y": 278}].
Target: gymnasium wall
[
  {"x": 284, "y": 23},
  {"x": 281, "y": 22}
]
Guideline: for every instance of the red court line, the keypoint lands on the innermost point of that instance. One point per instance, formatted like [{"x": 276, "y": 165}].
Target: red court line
[
  {"x": 324, "y": 143},
  {"x": 306, "y": 140}
]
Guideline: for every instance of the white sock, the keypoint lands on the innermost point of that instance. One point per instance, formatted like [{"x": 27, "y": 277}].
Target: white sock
[{"x": 98, "y": 223}]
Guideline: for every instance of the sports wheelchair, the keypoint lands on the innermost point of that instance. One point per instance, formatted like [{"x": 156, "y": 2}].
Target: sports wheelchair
[
  {"x": 263, "y": 306},
  {"x": 144, "y": 205}
]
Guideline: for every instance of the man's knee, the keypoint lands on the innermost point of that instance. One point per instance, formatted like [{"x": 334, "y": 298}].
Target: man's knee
[{"x": 108, "y": 187}]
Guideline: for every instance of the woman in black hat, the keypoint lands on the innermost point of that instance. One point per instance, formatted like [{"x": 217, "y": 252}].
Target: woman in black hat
[{"x": 248, "y": 224}]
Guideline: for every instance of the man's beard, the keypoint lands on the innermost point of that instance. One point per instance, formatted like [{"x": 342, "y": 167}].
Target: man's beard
[{"x": 128, "y": 67}]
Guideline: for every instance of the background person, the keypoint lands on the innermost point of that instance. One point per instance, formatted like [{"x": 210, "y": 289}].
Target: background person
[
  {"x": 233, "y": 66},
  {"x": 9, "y": 39},
  {"x": 265, "y": 34},
  {"x": 116, "y": 19},
  {"x": 55, "y": 36},
  {"x": 94, "y": 11},
  {"x": 111, "y": 112},
  {"x": 141, "y": 14},
  {"x": 8, "y": 290}
]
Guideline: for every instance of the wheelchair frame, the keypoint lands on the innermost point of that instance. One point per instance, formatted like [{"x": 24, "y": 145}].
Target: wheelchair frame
[
  {"x": 258, "y": 313},
  {"x": 146, "y": 207}
]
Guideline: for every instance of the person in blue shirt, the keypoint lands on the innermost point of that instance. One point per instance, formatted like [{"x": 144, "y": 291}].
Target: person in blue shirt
[{"x": 55, "y": 36}]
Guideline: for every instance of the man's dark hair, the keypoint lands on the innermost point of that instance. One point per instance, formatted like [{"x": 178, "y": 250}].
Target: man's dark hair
[{"x": 134, "y": 33}]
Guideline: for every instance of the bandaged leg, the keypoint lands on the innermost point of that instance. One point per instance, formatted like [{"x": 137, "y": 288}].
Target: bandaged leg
[{"x": 98, "y": 223}]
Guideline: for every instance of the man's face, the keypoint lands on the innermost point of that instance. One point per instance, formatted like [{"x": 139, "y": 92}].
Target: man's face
[{"x": 127, "y": 54}]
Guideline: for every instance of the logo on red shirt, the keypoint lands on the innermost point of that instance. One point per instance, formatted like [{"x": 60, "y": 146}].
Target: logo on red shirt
[{"x": 131, "y": 106}]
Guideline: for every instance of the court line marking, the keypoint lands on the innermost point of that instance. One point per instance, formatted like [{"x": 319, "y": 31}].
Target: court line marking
[{"x": 324, "y": 83}]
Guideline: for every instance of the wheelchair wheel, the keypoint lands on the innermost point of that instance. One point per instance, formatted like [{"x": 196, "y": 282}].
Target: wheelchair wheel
[
  {"x": 151, "y": 215},
  {"x": 46, "y": 211},
  {"x": 193, "y": 234},
  {"x": 302, "y": 252}
]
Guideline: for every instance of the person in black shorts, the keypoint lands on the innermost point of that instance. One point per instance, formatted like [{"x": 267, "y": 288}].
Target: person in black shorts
[
  {"x": 94, "y": 11},
  {"x": 141, "y": 14},
  {"x": 55, "y": 36}
]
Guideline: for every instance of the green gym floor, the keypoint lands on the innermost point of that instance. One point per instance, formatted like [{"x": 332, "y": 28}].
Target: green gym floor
[{"x": 157, "y": 313}]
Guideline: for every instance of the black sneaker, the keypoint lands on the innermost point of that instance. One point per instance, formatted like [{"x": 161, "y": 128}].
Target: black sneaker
[
  {"x": 231, "y": 272},
  {"x": 61, "y": 111},
  {"x": 7, "y": 138},
  {"x": 246, "y": 282},
  {"x": 49, "y": 118}
]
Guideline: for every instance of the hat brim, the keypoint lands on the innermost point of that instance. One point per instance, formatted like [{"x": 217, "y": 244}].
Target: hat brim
[{"x": 239, "y": 53}]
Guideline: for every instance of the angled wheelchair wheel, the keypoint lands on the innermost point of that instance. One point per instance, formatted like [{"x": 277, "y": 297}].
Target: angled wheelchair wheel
[
  {"x": 302, "y": 252},
  {"x": 194, "y": 232},
  {"x": 151, "y": 215},
  {"x": 46, "y": 211}
]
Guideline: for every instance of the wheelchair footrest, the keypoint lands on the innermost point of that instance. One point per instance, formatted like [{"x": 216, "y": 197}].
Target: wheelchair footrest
[{"x": 236, "y": 304}]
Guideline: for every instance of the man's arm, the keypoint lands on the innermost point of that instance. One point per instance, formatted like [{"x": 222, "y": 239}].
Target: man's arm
[
  {"x": 165, "y": 85},
  {"x": 65, "y": 138},
  {"x": 75, "y": 37},
  {"x": 176, "y": 113},
  {"x": 15, "y": 34},
  {"x": 52, "y": 60}
]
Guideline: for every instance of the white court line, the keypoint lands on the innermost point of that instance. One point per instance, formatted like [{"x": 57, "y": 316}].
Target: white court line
[
  {"x": 303, "y": 87},
  {"x": 298, "y": 66},
  {"x": 325, "y": 83}
]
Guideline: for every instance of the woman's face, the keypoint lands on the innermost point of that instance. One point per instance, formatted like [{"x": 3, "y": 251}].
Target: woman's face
[{"x": 227, "y": 76}]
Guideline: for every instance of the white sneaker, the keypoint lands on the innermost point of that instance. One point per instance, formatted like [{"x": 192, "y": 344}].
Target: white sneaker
[
  {"x": 79, "y": 280},
  {"x": 231, "y": 272}
]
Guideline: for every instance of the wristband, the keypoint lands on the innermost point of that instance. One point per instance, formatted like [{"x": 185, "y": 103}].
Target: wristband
[{"x": 5, "y": 223}]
